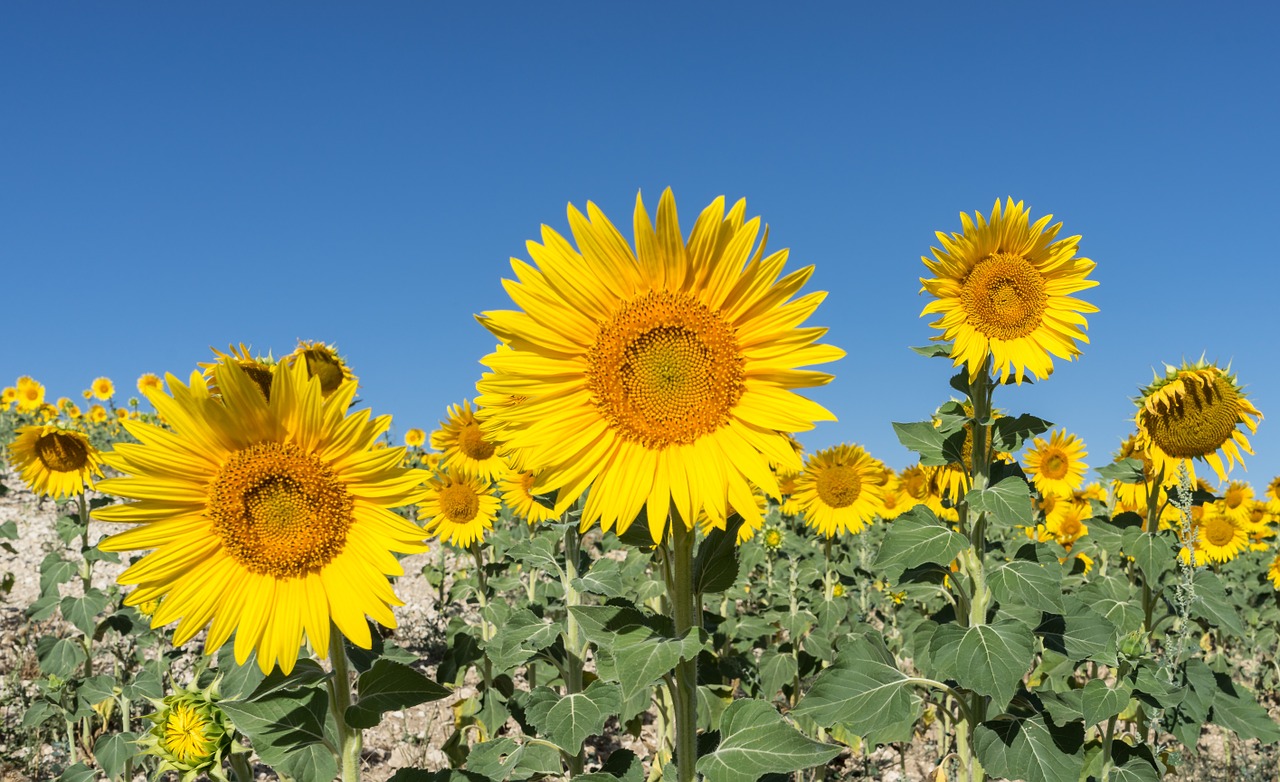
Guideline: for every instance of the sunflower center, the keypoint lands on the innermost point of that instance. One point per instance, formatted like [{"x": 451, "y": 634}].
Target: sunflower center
[
  {"x": 61, "y": 452},
  {"x": 472, "y": 443},
  {"x": 1234, "y": 497},
  {"x": 1004, "y": 296},
  {"x": 1054, "y": 466},
  {"x": 1219, "y": 532},
  {"x": 1196, "y": 422},
  {"x": 916, "y": 486},
  {"x": 666, "y": 370},
  {"x": 839, "y": 486},
  {"x": 1069, "y": 528},
  {"x": 322, "y": 364},
  {"x": 459, "y": 502},
  {"x": 184, "y": 734},
  {"x": 279, "y": 511}
]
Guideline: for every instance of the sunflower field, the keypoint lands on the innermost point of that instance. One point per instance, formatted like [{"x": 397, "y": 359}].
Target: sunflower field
[{"x": 633, "y": 570}]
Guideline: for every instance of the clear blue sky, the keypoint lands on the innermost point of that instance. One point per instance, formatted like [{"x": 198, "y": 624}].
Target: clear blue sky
[{"x": 180, "y": 175}]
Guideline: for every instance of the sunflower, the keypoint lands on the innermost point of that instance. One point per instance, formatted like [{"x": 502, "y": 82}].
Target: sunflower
[
  {"x": 8, "y": 397},
  {"x": 1194, "y": 412},
  {"x": 786, "y": 493},
  {"x": 1273, "y": 572},
  {"x": 1272, "y": 495},
  {"x": 465, "y": 449},
  {"x": 841, "y": 489},
  {"x": 268, "y": 518},
  {"x": 415, "y": 438},
  {"x": 30, "y": 394},
  {"x": 72, "y": 410},
  {"x": 1068, "y": 525},
  {"x": 259, "y": 369},
  {"x": 54, "y": 462},
  {"x": 1218, "y": 538},
  {"x": 97, "y": 414},
  {"x": 1057, "y": 465},
  {"x": 322, "y": 361},
  {"x": 1237, "y": 501},
  {"x": 102, "y": 388},
  {"x": 661, "y": 378},
  {"x": 1259, "y": 526},
  {"x": 516, "y": 490},
  {"x": 1092, "y": 491},
  {"x": 458, "y": 508},
  {"x": 1003, "y": 290},
  {"x": 751, "y": 522},
  {"x": 148, "y": 382},
  {"x": 895, "y": 499}
]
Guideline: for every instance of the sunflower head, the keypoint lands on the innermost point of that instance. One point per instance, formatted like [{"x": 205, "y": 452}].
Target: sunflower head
[
  {"x": 29, "y": 394},
  {"x": 1003, "y": 292},
  {"x": 1217, "y": 537},
  {"x": 415, "y": 438},
  {"x": 1057, "y": 464},
  {"x": 190, "y": 734},
  {"x": 458, "y": 508},
  {"x": 53, "y": 461},
  {"x": 148, "y": 382},
  {"x": 8, "y": 397},
  {"x": 1273, "y": 572},
  {"x": 1196, "y": 411},
  {"x": 260, "y": 369},
  {"x": 841, "y": 490},
  {"x": 324, "y": 362},
  {"x": 516, "y": 489},
  {"x": 102, "y": 388},
  {"x": 465, "y": 448}
]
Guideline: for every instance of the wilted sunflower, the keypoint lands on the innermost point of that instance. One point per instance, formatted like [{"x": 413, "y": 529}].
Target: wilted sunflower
[
  {"x": 1218, "y": 538},
  {"x": 324, "y": 362},
  {"x": 458, "y": 508},
  {"x": 465, "y": 449},
  {"x": 30, "y": 394},
  {"x": 516, "y": 489},
  {"x": 841, "y": 490},
  {"x": 1194, "y": 412},
  {"x": 662, "y": 378},
  {"x": 1004, "y": 290},
  {"x": 268, "y": 518},
  {"x": 102, "y": 388},
  {"x": 54, "y": 462},
  {"x": 1057, "y": 465}
]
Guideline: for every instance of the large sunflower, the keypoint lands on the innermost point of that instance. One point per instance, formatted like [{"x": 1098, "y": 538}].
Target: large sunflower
[
  {"x": 841, "y": 489},
  {"x": 459, "y": 508},
  {"x": 1057, "y": 465},
  {"x": 1004, "y": 290},
  {"x": 1195, "y": 412},
  {"x": 663, "y": 377},
  {"x": 268, "y": 518},
  {"x": 54, "y": 462}
]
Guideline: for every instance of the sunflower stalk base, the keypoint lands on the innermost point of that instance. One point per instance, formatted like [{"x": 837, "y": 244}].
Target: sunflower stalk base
[
  {"x": 350, "y": 740},
  {"x": 677, "y": 563}
]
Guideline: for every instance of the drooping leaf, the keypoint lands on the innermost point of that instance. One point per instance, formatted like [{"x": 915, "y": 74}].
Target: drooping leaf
[
  {"x": 1008, "y": 502},
  {"x": 388, "y": 686},
  {"x": 776, "y": 669},
  {"x": 756, "y": 740},
  {"x": 1031, "y": 749},
  {"x": 865, "y": 692}
]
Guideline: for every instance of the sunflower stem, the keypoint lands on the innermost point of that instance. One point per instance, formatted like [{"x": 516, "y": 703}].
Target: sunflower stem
[
  {"x": 350, "y": 740},
  {"x": 573, "y": 646},
  {"x": 686, "y": 614},
  {"x": 240, "y": 767}
]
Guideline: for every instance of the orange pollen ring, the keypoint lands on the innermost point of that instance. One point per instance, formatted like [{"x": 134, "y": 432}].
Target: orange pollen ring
[
  {"x": 279, "y": 511},
  {"x": 61, "y": 452},
  {"x": 1004, "y": 296},
  {"x": 665, "y": 370}
]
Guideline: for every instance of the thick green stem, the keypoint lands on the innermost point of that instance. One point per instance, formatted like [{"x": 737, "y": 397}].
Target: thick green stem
[
  {"x": 574, "y": 649},
  {"x": 350, "y": 740},
  {"x": 686, "y": 613},
  {"x": 240, "y": 767}
]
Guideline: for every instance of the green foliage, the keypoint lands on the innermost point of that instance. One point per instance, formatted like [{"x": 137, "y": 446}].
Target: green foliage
[{"x": 756, "y": 740}]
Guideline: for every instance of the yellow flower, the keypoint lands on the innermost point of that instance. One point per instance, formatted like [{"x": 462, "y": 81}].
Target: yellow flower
[
  {"x": 952, "y": 480},
  {"x": 260, "y": 370},
  {"x": 1237, "y": 501},
  {"x": 415, "y": 438},
  {"x": 1003, "y": 290},
  {"x": 97, "y": 414},
  {"x": 1068, "y": 525},
  {"x": 465, "y": 449},
  {"x": 30, "y": 394},
  {"x": 895, "y": 500},
  {"x": 54, "y": 462},
  {"x": 921, "y": 486},
  {"x": 837, "y": 591},
  {"x": 1273, "y": 572},
  {"x": 786, "y": 491},
  {"x": 459, "y": 509},
  {"x": 840, "y": 490},
  {"x": 267, "y": 518},
  {"x": 322, "y": 361},
  {"x": 8, "y": 396},
  {"x": 48, "y": 412},
  {"x": 1194, "y": 413},
  {"x": 122, "y": 413},
  {"x": 751, "y": 522},
  {"x": 772, "y": 538},
  {"x": 1093, "y": 491},
  {"x": 1218, "y": 538},
  {"x": 1272, "y": 495},
  {"x": 149, "y": 382},
  {"x": 517, "y": 494},
  {"x": 1057, "y": 466},
  {"x": 102, "y": 388},
  {"x": 663, "y": 377},
  {"x": 72, "y": 410}
]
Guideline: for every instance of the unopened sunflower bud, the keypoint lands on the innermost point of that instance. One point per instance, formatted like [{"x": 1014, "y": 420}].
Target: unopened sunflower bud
[{"x": 190, "y": 734}]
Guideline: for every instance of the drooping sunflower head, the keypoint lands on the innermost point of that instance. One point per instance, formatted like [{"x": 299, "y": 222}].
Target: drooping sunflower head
[
  {"x": 53, "y": 461},
  {"x": 268, "y": 518},
  {"x": 516, "y": 489},
  {"x": 102, "y": 388},
  {"x": 1057, "y": 465},
  {"x": 29, "y": 394},
  {"x": 840, "y": 490},
  {"x": 148, "y": 382},
  {"x": 465, "y": 448},
  {"x": 415, "y": 438},
  {"x": 1196, "y": 411},
  {"x": 458, "y": 508},
  {"x": 1003, "y": 290},
  {"x": 260, "y": 369},
  {"x": 322, "y": 361},
  {"x": 662, "y": 377}
]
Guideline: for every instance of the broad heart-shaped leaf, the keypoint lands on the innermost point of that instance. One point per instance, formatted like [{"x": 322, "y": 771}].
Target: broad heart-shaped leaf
[
  {"x": 387, "y": 686},
  {"x": 1009, "y": 433},
  {"x": 1099, "y": 703},
  {"x": 574, "y": 718},
  {"x": 1112, "y": 596},
  {"x": 1028, "y": 583},
  {"x": 314, "y": 761},
  {"x": 606, "y": 577},
  {"x": 304, "y": 674},
  {"x": 1125, "y": 471},
  {"x": 1212, "y": 604},
  {"x": 112, "y": 751},
  {"x": 715, "y": 567},
  {"x": 78, "y": 772},
  {"x": 915, "y": 538},
  {"x": 1152, "y": 551},
  {"x": 864, "y": 692},
  {"x": 1080, "y": 633},
  {"x": 1008, "y": 502},
  {"x": 61, "y": 657},
  {"x": 55, "y": 570},
  {"x": 988, "y": 659},
  {"x": 1031, "y": 749},
  {"x": 83, "y": 611},
  {"x": 639, "y": 656},
  {"x": 537, "y": 552},
  {"x": 1235, "y": 708},
  {"x": 925, "y": 439},
  {"x": 520, "y": 635},
  {"x": 501, "y": 759},
  {"x": 280, "y": 723},
  {"x": 755, "y": 740},
  {"x": 776, "y": 669}
]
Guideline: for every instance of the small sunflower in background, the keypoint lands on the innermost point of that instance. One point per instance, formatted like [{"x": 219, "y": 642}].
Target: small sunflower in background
[
  {"x": 1218, "y": 538},
  {"x": 29, "y": 394},
  {"x": 97, "y": 414},
  {"x": 1068, "y": 525},
  {"x": 148, "y": 382},
  {"x": 516, "y": 489},
  {"x": 1237, "y": 501},
  {"x": 8, "y": 396},
  {"x": 1196, "y": 411},
  {"x": 54, "y": 462},
  {"x": 1272, "y": 495},
  {"x": 1057, "y": 465},
  {"x": 841, "y": 490},
  {"x": 1273, "y": 572},
  {"x": 458, "y": 508},
  {"x": 465, "y": 449},
  {"x": 1003, "y": 290},
  {"x": 895, "y": 500},
  {"x": 102, "y": 388},
  {"x": 415, "y": 438},
  {"x": 324, "y": 362},
  {"x": 260, "y": 369}
]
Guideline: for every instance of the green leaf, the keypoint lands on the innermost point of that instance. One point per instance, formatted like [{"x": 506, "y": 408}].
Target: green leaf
[
  {"x": 1027, "y": 583},
  {"x": 1125, "y": 471},
  {"x": 1152, "y": 551},
  {"x": 238, "y": 680},
  {"x": 519, "y": 637},
  {"x": 305, "y": 673},
  {"x": 935, "y": 349},
  {"x": 9, "y": 529},
  {"x": 1099, "y": 703},
  {"x": 1008, "y": 502},
  {"x": 282, "y": 722},
  {"x": 537, "y": 552},
  {"x": 388, "y": 686},
  {"x": 775, "y": 670},
  {"x": 639, "y": 656},
  {"x": 574, "y": 718},
  {"x": 82, "y": 612},
  {"x": 1009, "y": 433},
  {"x": 113, "y": 750},
  {"x": 60, "y": 657},
  {"x": 916, "y": 538},
  {"x": 923, "y": 438},
  {"x": 40, "y": 712},
  {"x": 604, "y": 578},
  {"x": 78, "y": 772},
  {"x": 1114, "y": 597},
  {"x": 715, "y": 567},
  {"x": 755, "y": 740},
  {"x": 1236, "y": 709},
  {"x": 865, "y": 693},
  {"x": 314, "y": 761},
  {"x": 55, "y": 570},
  {"x": 989, "y": 659},
  {"x": 1211, "y": 604},
  {"x": 1081, "y": 633},
  {"x": 1031, "y": 749},
  {"x": 1133, "y": 764},
  {"x": 500, "y": 759}
]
